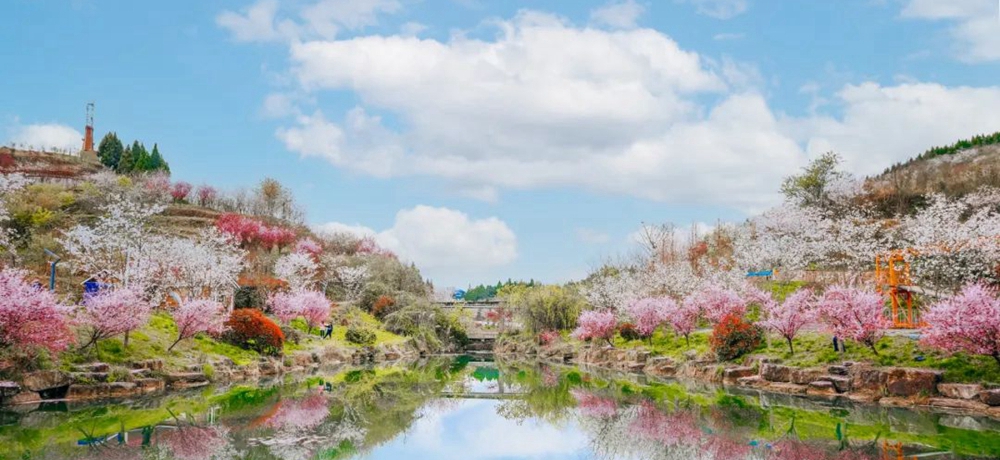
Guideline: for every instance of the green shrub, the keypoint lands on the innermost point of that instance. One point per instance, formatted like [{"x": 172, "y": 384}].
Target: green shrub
[
  {"x": 545, "y": 308},
  {"x": 208, "y": 370},
  {"x": 360, "y": 336},
  {"x": 119, "y": 374},
  {"x": 628, "y": 331},
  {"x": 248, "y": 297}
]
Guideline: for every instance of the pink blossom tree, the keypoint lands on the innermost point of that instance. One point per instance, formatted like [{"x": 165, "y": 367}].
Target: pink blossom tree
[
  {"x": 596, "y": 325},
  {"x": 199, "y": 315},
  {"x": 30, "y": 316},
  {"x": 650, "y": 313},
  {"x": 683, "y": 317},
  {"x": 180, "y": 191},
  {"x": 312, "y": 306},
  {"x": 716, "y": 302},
  {"x": 306, "y": 413},
  {"x": 854, "y": 314},
  {"x": 789, "y": 317},
  {"x": 308, "y": 246},
  {"x": 206, "y": 195},
  {"x": 594, "y": 405},
  {"x": 112, "y": 313},
  {"x": 968, "y": 322}
]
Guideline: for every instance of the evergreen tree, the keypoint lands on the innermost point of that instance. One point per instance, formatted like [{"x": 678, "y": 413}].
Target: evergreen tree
[
  {"x": 127, "y": 163},
  {"x": 141, "y": 157},
  {"x": 110, "y": 150},
  {"x": 156, "y": 162}
]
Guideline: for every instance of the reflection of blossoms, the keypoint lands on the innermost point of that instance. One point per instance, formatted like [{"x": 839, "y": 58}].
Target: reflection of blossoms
[
  {"x": 679, "y": 428},
  {"x": 592, "y": 405},
  {"x": 549, "y": 378},
  {"x": 197, "y": 443},
  {"x": 305, "y": 413}
]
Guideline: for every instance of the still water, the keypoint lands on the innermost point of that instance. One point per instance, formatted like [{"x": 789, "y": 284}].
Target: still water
[{"x": 465, "y": 409}]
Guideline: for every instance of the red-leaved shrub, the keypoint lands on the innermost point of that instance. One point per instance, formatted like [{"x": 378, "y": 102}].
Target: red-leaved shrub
[
  {"x": 248, "y": 328},
  {"x": 733, "y": 337},
  {"x": 547, "y": 337},
  {"x": 383, "y": 306}
]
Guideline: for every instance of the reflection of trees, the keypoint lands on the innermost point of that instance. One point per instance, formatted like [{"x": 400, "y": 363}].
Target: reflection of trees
[{"x": 548, "y": 397}]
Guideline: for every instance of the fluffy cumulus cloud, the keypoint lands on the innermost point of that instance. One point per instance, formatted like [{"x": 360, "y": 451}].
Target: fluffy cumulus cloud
[
  {"x": 975, "y": 25},
  {"x": 265, "y": 21},
  {"x": 545, "y": 103},
  {"x": 48, "y": 136},
  {"x": 445, "y": 243},
  {"x": 622, "y": 14}
]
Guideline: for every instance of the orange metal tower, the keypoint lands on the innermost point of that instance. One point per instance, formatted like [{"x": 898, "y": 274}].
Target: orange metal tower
[
  {"x": 892, "y": 277},
  {"x": 88, "y": 139}
]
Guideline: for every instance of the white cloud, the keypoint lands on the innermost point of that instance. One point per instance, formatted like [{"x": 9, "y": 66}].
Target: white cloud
[
  {"x": 262, "y": 21},
  {"x": 46, "y": 136},
  {"x": 279, "y": 105},
  {"x": 546, "y": 104},
  {"x": 719, "y": 9},
  {"x": 443, "y": 242},
  {"x": 620, "y": 14},
  {"x": 412, "y": 29},
  {"x": 591, "y": 236},
  {"x": 975, "y": 25}
]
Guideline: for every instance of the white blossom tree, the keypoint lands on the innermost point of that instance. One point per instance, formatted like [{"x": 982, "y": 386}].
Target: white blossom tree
[{"x": 298, "y": 269}]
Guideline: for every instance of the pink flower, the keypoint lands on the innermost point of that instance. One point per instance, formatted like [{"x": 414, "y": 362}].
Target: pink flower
[
  {"x": 596, "y": 325},
  {"x": 788, "y": 318},
  {"x": 308, "y": 246},
  {"x": 312, "y": 306},
  {"x": 30, "y": 316},
  {"x": 306, "y": 413},
  {"x": 716, "y": 302},
  {"x": 195, "y": 316},
  {"x": 206, "y": 195},
  {"x": 968, "y": 322},
  {"x": 854, "y": 314},
  {"x": 116, "y": 312},
  {"x": 651, "y": 313},
  {"x": 180, "y": 191}
]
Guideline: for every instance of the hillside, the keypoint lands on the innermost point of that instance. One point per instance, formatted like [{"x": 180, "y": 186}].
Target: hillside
[{"x": 45, "y": 166}]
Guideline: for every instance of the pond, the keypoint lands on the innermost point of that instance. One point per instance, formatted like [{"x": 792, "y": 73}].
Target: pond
[{"x": 464, "y": 408}]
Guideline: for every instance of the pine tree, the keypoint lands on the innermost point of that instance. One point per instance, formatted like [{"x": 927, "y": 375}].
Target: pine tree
[
  {"x": 156, "y": 162},
  {"x": 141, "y": 157},
  {"x": 127, "y": 163},
  {"x": 110, "y": 150}
]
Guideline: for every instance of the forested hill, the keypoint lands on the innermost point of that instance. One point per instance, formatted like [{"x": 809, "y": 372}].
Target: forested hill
[{"x": 953, "y": 170}]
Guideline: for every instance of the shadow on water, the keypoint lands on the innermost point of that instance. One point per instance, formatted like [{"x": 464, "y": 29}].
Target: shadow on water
[{"x": 472, "y": 407}]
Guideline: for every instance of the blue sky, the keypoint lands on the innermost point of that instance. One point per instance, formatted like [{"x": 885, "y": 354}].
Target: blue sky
[{"x": 486, "y": 139}]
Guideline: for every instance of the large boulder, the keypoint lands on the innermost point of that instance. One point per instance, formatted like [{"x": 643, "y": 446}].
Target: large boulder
[
  {"x": 867, "y": 379},
  {"x": 8, "y": 389},
  {"x": 821, "y": 388},
  {"x": 776, "y": 373},
  {"x": 45, "y": 380},
  {"x": 901, "y": 381},
  {"x": 731, "y": 375},
  {"x": 841, "y": 383},
  {"x": 991, "y": 397},
  {"x": 959, "y": 390},
  {"x": 660, "y": 367},
  {"x": 806, "y": 376}
]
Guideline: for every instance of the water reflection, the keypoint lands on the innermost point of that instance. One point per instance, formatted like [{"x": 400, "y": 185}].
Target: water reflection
[{"x": 465, "y": 409}]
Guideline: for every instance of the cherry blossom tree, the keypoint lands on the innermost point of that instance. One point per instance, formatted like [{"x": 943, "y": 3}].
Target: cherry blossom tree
[
  {"x": 180, "y": 191},
  {"x": 789, "y": 317},
  {"x": 352, "y": 280},
  {"x": 157, "y": 186},
  {"x": 30, "y": 316},
  {"x": 113, "y": 312},
  {"x": 854, "y": 314},
  {"x": 9, "y": 183},
  {"x": 206, "y": 195},
  {"x": 298, "y": 269},
  {"x": 683, "y": 318},
  {"x": 312, "y": 306},
  {"x": 308, "y": 246},
  {"x": 651, "y": 313},
  {"x": 716, "y": 302},
  {"x": 968, "y": 322},
  {"x": 613, "y": 288},
  {"x": 595, "y": 324},
  {"x": 196, "y": 316}
]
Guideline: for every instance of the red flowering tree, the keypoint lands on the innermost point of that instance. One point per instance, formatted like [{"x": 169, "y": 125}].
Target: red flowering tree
[
  {"x": 206, "y": 195},
  {"x": 596, "y": 325},
  {"x": 30, "y": 316},
  {"x": 180, "y": 191},
  {"x": 195, "y": 316},
  {"x": 968, "y": 322},
  {"x": 113, "y": 313},
  {"x": 854, "y": 314},
  {"x": 252, "y": 232},
  {"x": 312, "y": 306},
  {"x": 789, "y": 317}
]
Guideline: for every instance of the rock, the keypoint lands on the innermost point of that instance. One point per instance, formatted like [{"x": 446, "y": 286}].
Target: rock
[
  {"x": 120, "y": 389},
  {"x": 991, "y": 397},
  {"x": 841, "y": 383},
  {"x": 690, "y": 355},
  {"x": 146, "y": 386},
  {"x": 837, "y": 370},
  {"x": 25, "y": 397},
  {"x": 788, "y": 388},
  {"x": 88, "y": 377},
  {"x": 867, "y": 379},
  {"x": 958, "y": 404},
  {"x": 901, "y": 381},
  {"x": 821, "y": 388},
  {"x": 45, "y": 380},
  {"x": 92, "y": 367},
  {"x": 863, "y": 397},
  {"x": 753, "y": 381},
  {"x": 805, "y": 376},
  {"x": 184, "y": 379},
  {"x": 270, "y": 368},
  {"x": 151, "y": 364},
  {"x": 8, "y": 389},
  {"x": 660, "y": 366},
  {"x": 776, "y": 373},
  {"x": 760, "y": 360},
  {"x": 732, "y": 374},
  {"x": 959, "y": 390}
]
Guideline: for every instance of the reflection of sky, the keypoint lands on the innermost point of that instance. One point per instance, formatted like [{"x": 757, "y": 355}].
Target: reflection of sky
[{"x": 471, "y": 430}]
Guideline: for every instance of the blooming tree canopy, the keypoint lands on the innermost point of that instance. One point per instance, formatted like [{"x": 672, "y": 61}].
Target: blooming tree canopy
[
  {"x": 716, "y": 302},
  {"x": 206, "y": 195},
  {"x": 180, "y": 191},
  {"x": 30, "y": 316},
  {"x": 308, "y": 246},
  {"x": 196, "y": 316},
  {"x": 854, "y": 314},
  {"x": 352, "y": 280},
  {"x": 651, "y": 313},
  {"x": 683, "y": 317},
  {"x": 789, "y": 317},
  {"x": 595, "y": 324},
  {"x": 312, "y": 306},
  {"x": 9, "y": 183},
  {"x": 113, "y": 312},
  {"x": 298, "y": 269},
  {"x": 968, "y": 322}
]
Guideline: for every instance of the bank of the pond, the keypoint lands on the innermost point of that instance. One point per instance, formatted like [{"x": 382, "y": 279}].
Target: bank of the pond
[
  {"x": 100, "y": 380},
  {"x": 857, "y": 381}
]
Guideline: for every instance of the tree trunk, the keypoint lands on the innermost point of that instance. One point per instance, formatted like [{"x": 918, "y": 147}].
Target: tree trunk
[
  {"x": 687, "y": 339},
  {"x": 174, "y": 344},
  {"x": 126, "y": 339},
  {"x": 791, "y": 348},
  {"x": 872, "y": 346}
]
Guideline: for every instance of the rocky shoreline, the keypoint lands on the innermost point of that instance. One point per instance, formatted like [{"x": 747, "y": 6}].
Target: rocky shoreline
[
  {"x": 99, "y": 381},
  {"x": 854, "y": 381}
]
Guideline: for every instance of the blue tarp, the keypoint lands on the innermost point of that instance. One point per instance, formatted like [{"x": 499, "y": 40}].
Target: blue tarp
[{"x": 761, "y": 273}]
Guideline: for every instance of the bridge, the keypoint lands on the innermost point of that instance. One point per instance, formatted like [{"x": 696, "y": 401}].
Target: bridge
[{"x": 481, "y": 335}]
